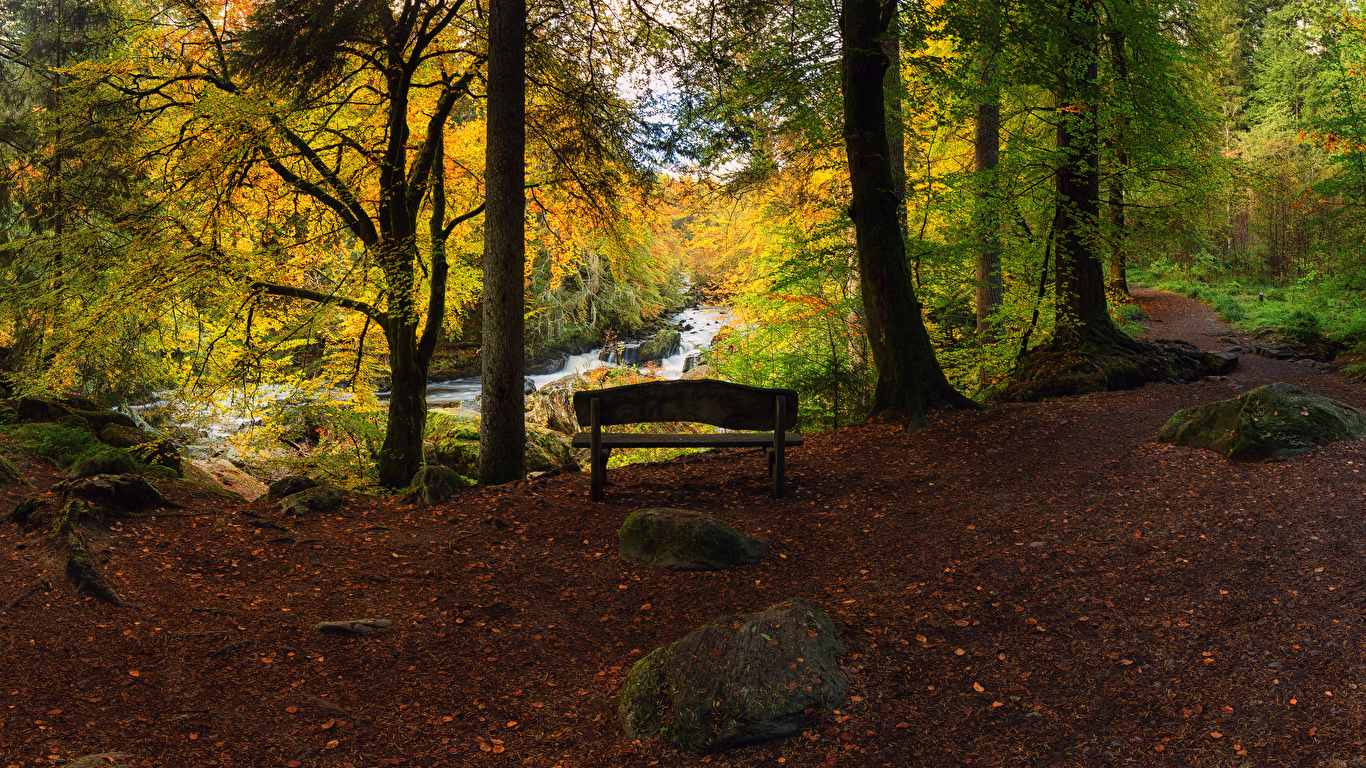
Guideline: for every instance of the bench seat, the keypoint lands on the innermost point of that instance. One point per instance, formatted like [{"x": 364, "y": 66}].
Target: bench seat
[
  {"x": 706, "y": 401},
  {"x": 715, "y": 440}
]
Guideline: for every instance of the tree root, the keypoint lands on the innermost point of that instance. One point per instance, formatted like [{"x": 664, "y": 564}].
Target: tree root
[{"x": 25, "y": 592}]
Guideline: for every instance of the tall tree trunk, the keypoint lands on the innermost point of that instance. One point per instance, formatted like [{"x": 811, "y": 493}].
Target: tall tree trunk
[
  {"x": 400, "y": 456},
  {"x": 896, "y": 121},
  {"x": 1082, "y": 317},
  {"x": 909, "y": 379},
  {"x": 1119, "y": 278},
  {"x": 986, "y": 155},
  {"x": 502, "y": 433}
]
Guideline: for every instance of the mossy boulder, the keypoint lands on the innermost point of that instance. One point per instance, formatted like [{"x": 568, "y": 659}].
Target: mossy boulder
[
  {"x": 120, "y": 436},
  {"x": 321, "y": 498},
  {"x": 434, "y": 484},
  {"x": 126, "y": 491},
  {"x": 99, "y": 419},
  {"x": 453, "y": 441},
  {"x": 289, "y": 485},
  {"x": 9, "y": 474},
  {"x": 683, "y": 540},
  {"x": 736, "y": 680},
  {"x": 666, "y": 343},
  {"x": 110, "y": 461},
  {"x": 1272, "y": 421},
  {"x": 162, "y": 452}
]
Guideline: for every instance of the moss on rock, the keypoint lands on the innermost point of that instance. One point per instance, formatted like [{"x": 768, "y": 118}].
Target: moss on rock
[
  {"x": 736, "y": 680},
  {"x": 110, "y": 461},
  {"x": 684, "y": 540},
  {"x": 1272, "y": 421}
]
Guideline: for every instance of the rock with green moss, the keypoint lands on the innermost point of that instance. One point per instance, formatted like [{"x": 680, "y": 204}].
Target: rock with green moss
[
  {"x": 289, "y": 485},
  {"x": 736, "y": 680},
  {"x": 452, "y": 440},
  {"x": 110, "y": 461},
  {"x": 683, "y": 540},
  {"x": 665, "y": 343},
  {"x": 120, "y": 436},
  {"x": 127, "y": 491},
  {"x": 1272, "y": 421},
  {"x": 321, "y": 498},
  {"x": 434, "y": 484},
  {"x": 9, "y": 474},
  {"x": 160, "y": 451}
]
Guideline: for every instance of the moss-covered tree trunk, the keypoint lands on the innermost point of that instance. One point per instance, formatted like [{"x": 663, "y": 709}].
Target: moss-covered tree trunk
[{"x": 909, "y": 378}]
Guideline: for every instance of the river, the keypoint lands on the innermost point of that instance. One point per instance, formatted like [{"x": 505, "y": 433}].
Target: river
[{"x": 705, "y": 322}]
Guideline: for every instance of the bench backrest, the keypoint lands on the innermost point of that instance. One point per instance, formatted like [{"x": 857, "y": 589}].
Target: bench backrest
[{"x": 718, "y": 403}]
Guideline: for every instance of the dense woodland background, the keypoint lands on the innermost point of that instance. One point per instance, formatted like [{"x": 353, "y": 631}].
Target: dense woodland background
[{"x": 219, "y": 199}]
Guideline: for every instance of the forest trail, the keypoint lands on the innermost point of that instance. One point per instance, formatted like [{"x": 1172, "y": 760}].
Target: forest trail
[{"x": 1035, "y": 584}]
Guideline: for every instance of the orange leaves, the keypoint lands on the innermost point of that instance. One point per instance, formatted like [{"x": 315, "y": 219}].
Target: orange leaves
[{"x": 490, "y": 745}]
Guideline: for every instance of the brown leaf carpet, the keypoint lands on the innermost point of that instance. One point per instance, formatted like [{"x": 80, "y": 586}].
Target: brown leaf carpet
[{"x": 1032, "y": 585}]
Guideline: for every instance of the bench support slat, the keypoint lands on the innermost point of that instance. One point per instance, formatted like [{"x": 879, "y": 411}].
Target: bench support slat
[{"x": 597, "y": 462}]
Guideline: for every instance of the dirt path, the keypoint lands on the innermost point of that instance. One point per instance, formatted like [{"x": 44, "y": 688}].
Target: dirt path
[{"x": 1040, "y": 585}]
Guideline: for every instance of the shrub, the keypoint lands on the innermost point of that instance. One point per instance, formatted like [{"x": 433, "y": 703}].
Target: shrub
[
  {"x": 60, "y": 444},
  {"x": 1228, "y": 308},
  {"x": 1302, "y": 327}
]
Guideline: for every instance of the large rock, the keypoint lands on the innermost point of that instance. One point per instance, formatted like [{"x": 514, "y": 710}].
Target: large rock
[
  {"x": 552, "y": 406},
  {"x": 434, "y": 484},
  {"x": 1272, "y": 421},
  {"x": 684, "y": 540},
  {"x": 665, "y": 343},
  {"x": 453, "y": 441},
  {"x": 122, "y": 491},
  {"x": 110, "y": 461},
  {"x": 1217, "y": 363},
  {"x": 120, "y": 436},
  {"x": 736, "y": 680},
  {"x": 322, "y": 498},
  {"x": 289, "y": 485}
]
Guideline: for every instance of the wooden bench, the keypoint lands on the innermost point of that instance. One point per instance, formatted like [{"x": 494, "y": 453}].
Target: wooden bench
[{"x": 718, "y": 403}]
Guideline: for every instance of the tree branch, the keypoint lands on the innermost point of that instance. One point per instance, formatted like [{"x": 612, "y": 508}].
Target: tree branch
[{"x": 275, "y": 289}]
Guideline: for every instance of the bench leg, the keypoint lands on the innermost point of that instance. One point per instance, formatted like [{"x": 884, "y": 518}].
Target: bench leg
[
  {"x": 778, "y": 472},
  {"x": 598, "y": 468}
]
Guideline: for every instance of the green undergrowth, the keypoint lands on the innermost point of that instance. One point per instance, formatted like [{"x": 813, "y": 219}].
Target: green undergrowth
[
  {"x": 1325, "y": 314},
  {"x": 62, "y": 445}
]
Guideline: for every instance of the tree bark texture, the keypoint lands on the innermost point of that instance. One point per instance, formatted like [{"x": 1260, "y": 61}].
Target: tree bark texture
[
  {"x": 1119, "y": 278},
  {"x": 896, "y": 121},
  {"x": 986, "y": 155},
  {"x": 502, "y": 433},
  {"x": 909, "y": 378},
  {"x": 1082, "y": 317}
]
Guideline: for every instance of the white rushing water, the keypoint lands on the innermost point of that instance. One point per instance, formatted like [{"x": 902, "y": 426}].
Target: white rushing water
[
  {"x": 705, "y": 322},
  {"x": 232, "y": 413}
]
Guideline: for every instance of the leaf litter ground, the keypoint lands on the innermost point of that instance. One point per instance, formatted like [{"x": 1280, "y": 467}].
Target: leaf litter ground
[{"x": 1038, "y": 584}]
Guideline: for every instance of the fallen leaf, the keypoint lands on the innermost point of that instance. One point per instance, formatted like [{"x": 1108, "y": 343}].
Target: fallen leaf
[
  {"x": 134, "y": 673},
  {"x": 291, "y": 710},
  {"x": 978, "y": 687},
  {"x": 1216, "y": 735}
]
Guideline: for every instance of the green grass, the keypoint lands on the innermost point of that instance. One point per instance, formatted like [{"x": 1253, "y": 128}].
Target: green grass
[{"x": 1329, "y": 313}]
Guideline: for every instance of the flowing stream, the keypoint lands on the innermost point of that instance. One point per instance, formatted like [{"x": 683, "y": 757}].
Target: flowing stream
[{"x": 705, "y": 322}]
